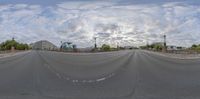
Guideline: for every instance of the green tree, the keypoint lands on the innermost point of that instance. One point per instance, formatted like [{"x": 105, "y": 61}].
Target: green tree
[
  {"x": 198, "y": 48},
  {"x": 22, "y": 47},
  {"x": 12, "y": 43},
  {"x": 105, "y": 47},
  {"x": 8, "y": 44},
  {"x": 158, "y": 47},
  {"x": 194, "y": 46}
]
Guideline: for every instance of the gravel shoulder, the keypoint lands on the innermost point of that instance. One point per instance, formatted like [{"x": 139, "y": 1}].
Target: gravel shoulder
[{"x": 177, "y": 56}]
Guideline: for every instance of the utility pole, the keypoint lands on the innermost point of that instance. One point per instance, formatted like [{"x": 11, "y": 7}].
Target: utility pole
[
  {"x": 13, "y": 37},
  {"x": 61, "y": 45},
  {"x": 165, "y": 44}
]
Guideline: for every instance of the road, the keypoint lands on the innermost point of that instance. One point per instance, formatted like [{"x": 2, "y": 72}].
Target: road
[{"x": 112, "y": 75}]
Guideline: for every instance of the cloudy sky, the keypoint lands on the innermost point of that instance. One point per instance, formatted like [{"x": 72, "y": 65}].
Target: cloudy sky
[{"x": 126, "y": 22}]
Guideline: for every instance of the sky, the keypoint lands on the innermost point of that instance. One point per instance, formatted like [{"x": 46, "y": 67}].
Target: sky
[{"x": 122, "y": 22}]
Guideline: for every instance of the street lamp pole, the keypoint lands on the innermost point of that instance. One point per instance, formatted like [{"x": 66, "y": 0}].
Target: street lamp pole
[
  {"x": 95, "y": 42},
  {"x": 13, "y": 38},
  {"x": 165, "y": 40},
  {"x": 13, "y": 47},
  {"x": 165, "y": 44}
]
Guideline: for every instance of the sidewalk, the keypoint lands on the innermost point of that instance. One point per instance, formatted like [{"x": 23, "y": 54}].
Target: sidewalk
[{"x": 9, "y": 54}]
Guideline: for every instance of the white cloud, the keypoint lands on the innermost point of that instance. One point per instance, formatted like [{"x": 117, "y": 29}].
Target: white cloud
[
  {"x": 20, "y": 6},
  {"x": 113, "y": 23},
  {"x": 85, "y": 5}
]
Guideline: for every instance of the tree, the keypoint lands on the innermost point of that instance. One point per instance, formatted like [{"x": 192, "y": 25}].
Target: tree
[
  {"x": 7, "y": 45},
  {"x": 194, "y": 46},
  {"x": 158, "y": 47},
  {"x": 105, "y": 47},
  {"x": 198, "y": 48}
]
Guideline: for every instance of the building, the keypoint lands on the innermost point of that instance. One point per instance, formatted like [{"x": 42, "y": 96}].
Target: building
[
  {"x": 171, "y": 47},
  {"x": 44, "y": 45},
  {"x": 68, "y": 46}
]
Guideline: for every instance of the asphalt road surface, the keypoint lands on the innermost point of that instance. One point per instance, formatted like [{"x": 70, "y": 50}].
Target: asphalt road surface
[{"x": 113, "y": 75}]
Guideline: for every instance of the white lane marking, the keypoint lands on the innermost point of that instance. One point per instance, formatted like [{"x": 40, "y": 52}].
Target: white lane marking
[
  {"x": 77, "y": 81},
  {"x": 90, "y": 81},
  {"x": 57, "y": 74},
  {"x": 101, "y": 79},
  {"x": 66, "y": 78},
  {"x": 83, "y": 81}
]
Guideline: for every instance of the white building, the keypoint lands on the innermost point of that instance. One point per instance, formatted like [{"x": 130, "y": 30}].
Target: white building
[{"x": 44, "y": 45}]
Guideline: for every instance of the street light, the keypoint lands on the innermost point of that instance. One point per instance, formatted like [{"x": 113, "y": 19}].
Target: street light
[
  {"x": 13, "y": 47},
  {"x": 13, "y": 38},
  {"x": 165, "y": 44},
  {"x": 165, "y": 40},
  {"x": 95, "y": 42}
]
